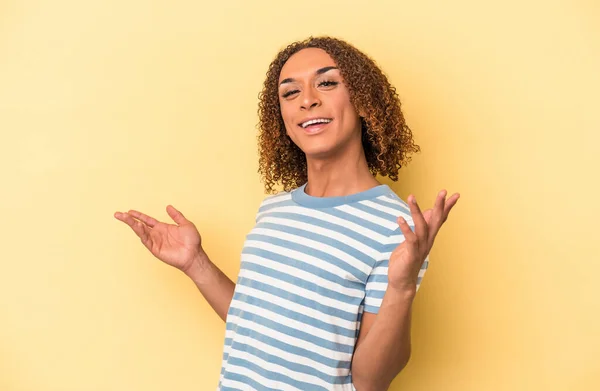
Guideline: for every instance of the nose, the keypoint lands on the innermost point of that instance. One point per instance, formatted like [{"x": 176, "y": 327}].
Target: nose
[{"x": 310, "y": 99}]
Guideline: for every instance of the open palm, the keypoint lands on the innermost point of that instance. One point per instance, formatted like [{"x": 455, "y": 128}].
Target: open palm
[
  {"x": 406, "y": 260},
  {"x": 175, "y": 244}
]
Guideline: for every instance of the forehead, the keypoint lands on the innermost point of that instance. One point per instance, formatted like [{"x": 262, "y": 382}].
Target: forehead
[{"x": 305, "y": 63}]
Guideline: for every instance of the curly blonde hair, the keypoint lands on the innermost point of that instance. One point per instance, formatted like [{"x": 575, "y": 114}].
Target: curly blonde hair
[{"x": 386, "y": 139}]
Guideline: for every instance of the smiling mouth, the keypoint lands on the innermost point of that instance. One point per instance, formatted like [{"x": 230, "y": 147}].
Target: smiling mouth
[{"x": 314, "y": 125}]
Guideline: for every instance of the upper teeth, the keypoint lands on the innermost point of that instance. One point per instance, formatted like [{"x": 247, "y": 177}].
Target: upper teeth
[{"x": 316, "y": 121}]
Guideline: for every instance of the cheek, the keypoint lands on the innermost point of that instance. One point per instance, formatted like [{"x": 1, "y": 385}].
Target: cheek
[
  {"x": 288, "y": 123},
  {"x": 342, "y": 101},
  {"x": 286, "y": 115},
  {"x": 351, "y": 118}
]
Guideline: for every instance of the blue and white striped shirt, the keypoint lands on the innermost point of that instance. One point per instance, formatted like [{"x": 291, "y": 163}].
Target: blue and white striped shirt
[{"x": 309, "y": 268}]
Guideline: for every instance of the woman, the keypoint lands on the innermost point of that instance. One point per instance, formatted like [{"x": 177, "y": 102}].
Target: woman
[{"x": 330, "y": 270}]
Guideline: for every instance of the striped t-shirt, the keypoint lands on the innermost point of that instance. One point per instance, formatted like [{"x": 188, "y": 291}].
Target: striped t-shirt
[{"x": 309, "y": 268}]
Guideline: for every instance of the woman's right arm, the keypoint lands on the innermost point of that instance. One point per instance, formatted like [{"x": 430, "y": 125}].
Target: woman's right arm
[
  {"x": 180, "y": 246},
  {"x": 214, "y": 285}
]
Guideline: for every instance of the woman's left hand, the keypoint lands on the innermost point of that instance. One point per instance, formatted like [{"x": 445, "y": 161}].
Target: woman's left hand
[{"x": 406, "y": 260}]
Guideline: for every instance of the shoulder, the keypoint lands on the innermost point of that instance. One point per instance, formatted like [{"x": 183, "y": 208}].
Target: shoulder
[
  {"x": 272, "y": 201},
  {"x": 391, "y": 205}
]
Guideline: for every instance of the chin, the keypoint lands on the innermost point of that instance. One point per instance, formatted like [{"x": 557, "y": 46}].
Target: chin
[{"x": 318, "y": 152}]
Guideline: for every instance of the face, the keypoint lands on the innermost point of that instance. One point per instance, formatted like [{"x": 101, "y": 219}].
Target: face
[{"x": 315, "y": 105}]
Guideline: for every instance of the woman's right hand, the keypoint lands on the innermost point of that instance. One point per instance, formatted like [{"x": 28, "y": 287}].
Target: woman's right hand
[{"x": 178, "y": 245}]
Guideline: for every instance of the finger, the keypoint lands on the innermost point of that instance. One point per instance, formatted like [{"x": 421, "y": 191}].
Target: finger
[
  {"x": 427, "y": 215},
  {"x": 123, "y": 216},
  {"x": 137, "y": 226},
  {"x": 420, "y": 223},
  {"x": 441, "y": 219},
  {"x": 450, "y": 204},
  {"x": 437, "y": 217},
  {"x": 440, "y": 202},
  {"x": 409, "y": 236},
  {"x": 149, "y": 221},
  {"x": 176, "y": 215}
]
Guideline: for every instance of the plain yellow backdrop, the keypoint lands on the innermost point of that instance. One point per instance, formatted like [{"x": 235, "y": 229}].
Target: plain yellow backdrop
[{"x": 112, "y": 105}]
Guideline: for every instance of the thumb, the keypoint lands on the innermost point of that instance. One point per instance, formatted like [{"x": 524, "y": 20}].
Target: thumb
[{"x": 176, "y": 215}]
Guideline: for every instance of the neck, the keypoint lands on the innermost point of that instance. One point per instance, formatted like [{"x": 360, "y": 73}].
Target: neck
[{"x": 345, "y": 174}]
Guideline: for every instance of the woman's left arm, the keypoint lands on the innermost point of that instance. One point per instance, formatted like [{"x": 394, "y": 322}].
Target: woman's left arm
[{"x": 383, "y": 346}]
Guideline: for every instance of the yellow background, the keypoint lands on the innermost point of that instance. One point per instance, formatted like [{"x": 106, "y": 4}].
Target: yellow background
[{"x": 111, "y": 105}]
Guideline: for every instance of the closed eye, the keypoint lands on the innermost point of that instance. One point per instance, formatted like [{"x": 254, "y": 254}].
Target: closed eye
[
  {"x": 327, "y": 83},
  {"x": 289, "y": 93}
]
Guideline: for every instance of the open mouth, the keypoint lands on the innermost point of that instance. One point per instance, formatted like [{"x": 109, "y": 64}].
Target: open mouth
[{"x": 315, "y": 125}]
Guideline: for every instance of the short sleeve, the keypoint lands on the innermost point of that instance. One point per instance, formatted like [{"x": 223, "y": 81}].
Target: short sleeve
[{"x": 378, "y": 280}]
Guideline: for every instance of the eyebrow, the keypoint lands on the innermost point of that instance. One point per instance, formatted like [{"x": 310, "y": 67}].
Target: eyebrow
[{"x": 318, "y": 72}]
